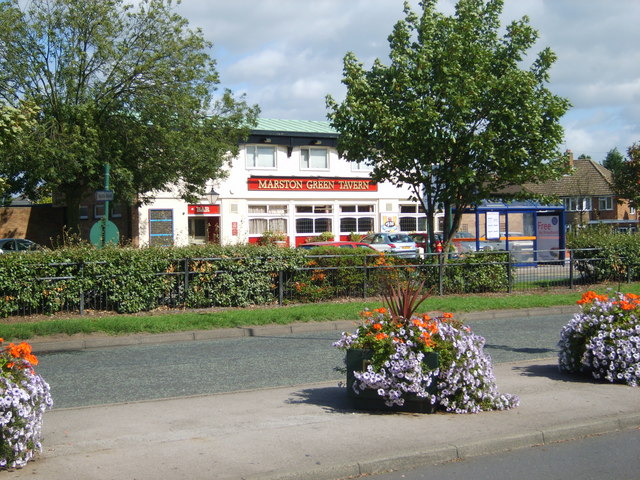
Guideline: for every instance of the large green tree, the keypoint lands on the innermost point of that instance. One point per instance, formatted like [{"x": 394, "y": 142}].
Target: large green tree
[
  {"x": 626, "y": 177},
  {"x": 613, "y": 161},
  {"x": 124, "y": 84},
  {"x": 453, "y": 114}
]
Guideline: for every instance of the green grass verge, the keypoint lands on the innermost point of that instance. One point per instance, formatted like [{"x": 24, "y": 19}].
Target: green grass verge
[{"x": 175, "y": 322}]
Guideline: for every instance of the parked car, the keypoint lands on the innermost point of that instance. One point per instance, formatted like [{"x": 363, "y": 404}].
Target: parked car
[
  {"x": 345, "y": 244},
  {"x": 463, "y": 242},
  {"x": 17, "y": 245},
  {"x": 397, "y": 243}
]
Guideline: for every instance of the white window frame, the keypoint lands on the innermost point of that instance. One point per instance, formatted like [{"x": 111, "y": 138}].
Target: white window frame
[
  {"x": 252, "y": 156},
  {"x": 577, "y": 204},
  {"x": 605, "y": 203},
  {"x": 274, "y": 217},
  {"x": 306, "y": 163}
]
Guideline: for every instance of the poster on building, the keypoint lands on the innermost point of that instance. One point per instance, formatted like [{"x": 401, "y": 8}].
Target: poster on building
[
  {"x": 493, "y": 225},
  {"x": 548, "y": 235},
  {"x": 389, "y": 223}
]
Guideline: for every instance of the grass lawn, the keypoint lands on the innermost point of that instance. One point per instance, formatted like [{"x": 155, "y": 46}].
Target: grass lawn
[{"x": 157, "y": 322}]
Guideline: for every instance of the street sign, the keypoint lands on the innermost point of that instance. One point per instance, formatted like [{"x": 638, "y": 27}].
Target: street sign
[
  {"x": 104, "y": 232},
  {"x": 104, "y": 195}
]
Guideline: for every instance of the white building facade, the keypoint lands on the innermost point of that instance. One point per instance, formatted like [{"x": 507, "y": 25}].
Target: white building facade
[{"x": 288, "y": 178}]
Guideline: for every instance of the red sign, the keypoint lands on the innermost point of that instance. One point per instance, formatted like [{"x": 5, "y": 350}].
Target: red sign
[
  {"x": 204, "y": 209},
  {"x": 314, "y": 184},
  {"x": 234, "y": 229}
]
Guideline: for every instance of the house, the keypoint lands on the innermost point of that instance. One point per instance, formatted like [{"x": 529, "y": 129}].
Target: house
[
  {"x": 588, "y": 196},
  {"x": 287, "y": 178}
]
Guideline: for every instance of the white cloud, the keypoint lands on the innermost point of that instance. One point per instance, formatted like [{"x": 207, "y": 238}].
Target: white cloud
[{"x": 287, "y": 55}]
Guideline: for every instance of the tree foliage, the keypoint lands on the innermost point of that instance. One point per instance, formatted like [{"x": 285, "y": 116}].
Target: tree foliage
[
  {"x": 453, "y": 114},
  {"x": 614, "y": 160},
  {"x": 626, "y": 178},
  {"x": 129, "y": 85}
]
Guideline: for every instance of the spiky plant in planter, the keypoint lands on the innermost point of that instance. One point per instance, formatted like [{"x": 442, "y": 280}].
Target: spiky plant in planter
[{"x": 399, "y": 367}]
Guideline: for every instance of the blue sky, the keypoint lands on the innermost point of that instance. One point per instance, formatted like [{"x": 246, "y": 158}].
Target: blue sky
[{"x": 286, "y": 55}]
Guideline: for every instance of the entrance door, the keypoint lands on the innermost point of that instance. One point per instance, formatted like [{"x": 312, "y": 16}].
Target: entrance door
[
  {"x": 213, "y": 229},
  {"x": 197, "y": 230}
]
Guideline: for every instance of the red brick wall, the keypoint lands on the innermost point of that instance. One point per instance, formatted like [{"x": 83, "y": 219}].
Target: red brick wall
[{"x": 39, "y": 223}]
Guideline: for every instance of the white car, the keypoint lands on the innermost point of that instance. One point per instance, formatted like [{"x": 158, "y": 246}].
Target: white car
[{"x": 399, "y": 244}]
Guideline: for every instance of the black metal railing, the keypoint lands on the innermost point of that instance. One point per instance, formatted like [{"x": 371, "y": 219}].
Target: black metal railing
[{"x": 205, "y": 282}]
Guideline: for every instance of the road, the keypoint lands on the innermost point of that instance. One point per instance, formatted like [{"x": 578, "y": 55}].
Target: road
[
  {"x": 145, "y": 372},
  {"x": 612, "y": 456}
]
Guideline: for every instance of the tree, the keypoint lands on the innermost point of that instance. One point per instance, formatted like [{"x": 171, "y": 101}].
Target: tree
[
  {"x": 613, "y": 161},
  {"x": 115, "y": 83},
  {"x": 14, "y": 123},
  {"x": 453, "y": 115},
  {"x": 626, "y": 178}
]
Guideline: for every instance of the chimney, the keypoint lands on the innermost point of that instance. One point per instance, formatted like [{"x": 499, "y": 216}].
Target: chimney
[{"x": 569, "y": 155}]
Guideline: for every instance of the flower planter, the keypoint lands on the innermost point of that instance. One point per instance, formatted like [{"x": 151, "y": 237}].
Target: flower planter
[{"x": 368, "y": 399}]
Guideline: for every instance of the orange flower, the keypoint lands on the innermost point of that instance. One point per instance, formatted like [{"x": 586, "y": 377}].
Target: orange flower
[
  {"x": 447, "y": 315},
  {"x": 381, "y": 336},
  {"x": 380, "y": 310},
  {"x": 377, "y": 326},
  {"x": 590, "y": 296},
  {"x": 426, "y": 317}
]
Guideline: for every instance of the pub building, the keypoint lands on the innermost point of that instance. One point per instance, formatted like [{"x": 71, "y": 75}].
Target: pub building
[{"x": 287, "y": 178}]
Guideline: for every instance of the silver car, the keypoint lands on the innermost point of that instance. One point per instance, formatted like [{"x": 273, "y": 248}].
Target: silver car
[
  {"x": 17, "y": 245},
  {"x": 396, "y": 243}
]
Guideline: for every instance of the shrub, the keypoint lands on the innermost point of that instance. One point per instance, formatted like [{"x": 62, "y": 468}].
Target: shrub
[{"x": 601, "y": 255}]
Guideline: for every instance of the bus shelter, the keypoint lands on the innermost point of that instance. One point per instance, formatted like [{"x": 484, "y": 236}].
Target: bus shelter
[{"x": 533, "y": 232}]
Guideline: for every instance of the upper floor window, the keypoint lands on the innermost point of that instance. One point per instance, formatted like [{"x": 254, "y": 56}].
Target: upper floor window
[
  {"x": 605, "y": 203},
  {"x": 577, "y": 204},
  {"x": 314, "y": 158},
  {"x": 260, "y": 156},
  {"x": 360, "y": 167}
]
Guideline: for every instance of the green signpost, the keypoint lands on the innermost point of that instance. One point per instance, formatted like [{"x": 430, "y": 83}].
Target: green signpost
[{"x": 104, "y": 231}]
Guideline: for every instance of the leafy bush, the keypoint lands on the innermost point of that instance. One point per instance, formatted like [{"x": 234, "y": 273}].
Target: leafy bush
[
  {"x": 473, "y": 273},
  {"x": 130, "y": 280},
  {"x": 331, "y": 272},
  {"x": 601, "y": 255}
]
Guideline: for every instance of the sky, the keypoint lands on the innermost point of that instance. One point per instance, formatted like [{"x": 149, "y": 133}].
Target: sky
[{"x": 286, "y": 56}]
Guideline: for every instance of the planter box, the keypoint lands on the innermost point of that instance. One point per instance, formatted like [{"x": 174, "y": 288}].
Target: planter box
[{"x": 368, "y": 399}]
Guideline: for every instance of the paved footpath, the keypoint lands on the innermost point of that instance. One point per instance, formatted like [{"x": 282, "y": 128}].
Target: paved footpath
[{"x": 311, "y": 432}]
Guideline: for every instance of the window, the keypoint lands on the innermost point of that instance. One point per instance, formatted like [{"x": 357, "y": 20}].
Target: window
[
  {"x": 115, "y": 210},
  {"x": 360, "y": 167},
  {"x": 356, "y": 208},
  {"x": 84, "y": 212},
  {"x": 413, "y": 224},
  {"x": 577, "y": 204},
  {"x": 605, "y": 203},
  {"x": 271, "y": 219},
  {"x": 313, "y": 221},
  {"x": 314, "y": 209},
  {"x": 160, "y": 228},
  {"x": 259, "y": 156},
  {"x": 360, "y": 225},
  {"x": 416, "y": 221},
  {"x": 313, "y": 225},
  {"x": 314, "y": 158},
  {"x": 257, "y": 226},
  {"x": 632, "y": 210},
  {"x": 98, "y": 210}
]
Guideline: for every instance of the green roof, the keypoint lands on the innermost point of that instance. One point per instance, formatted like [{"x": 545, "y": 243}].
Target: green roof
[{"x": 294, "y": 126}]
